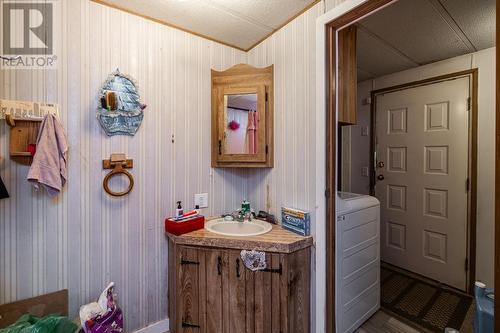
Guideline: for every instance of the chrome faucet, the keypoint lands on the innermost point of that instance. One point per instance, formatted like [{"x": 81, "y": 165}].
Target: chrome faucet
[{"x": 238, "y": 216}]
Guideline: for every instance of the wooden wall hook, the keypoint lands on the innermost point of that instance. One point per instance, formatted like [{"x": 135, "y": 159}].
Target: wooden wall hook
[
  {"x": 10, "y": 120},
  {"x": 118, "y": 163}
]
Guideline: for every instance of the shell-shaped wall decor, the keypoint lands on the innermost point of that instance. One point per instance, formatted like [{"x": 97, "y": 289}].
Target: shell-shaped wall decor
[{"x": 120, "y": 110}]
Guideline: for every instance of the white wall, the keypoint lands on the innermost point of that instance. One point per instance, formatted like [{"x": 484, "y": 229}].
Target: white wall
[
  {"x": 84, "y": 238},
  {"x": 329, "y": 4},
  {"x": 485, "y": 62},
  {"x": 356, "y": 147},
  {"x": 291, "y": 181}
]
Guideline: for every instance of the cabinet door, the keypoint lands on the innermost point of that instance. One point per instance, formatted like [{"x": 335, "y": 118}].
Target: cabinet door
[
  {"x": 213, "y": 271},
  {"x": 199, "y": 290},
  {"x": 237, "y": 145},
  {"x": 188, "y": 290},
  {"x": 253, "y": 301},
  {"x": 298, "y": 268},
  {"x": 348, "y": 81}
]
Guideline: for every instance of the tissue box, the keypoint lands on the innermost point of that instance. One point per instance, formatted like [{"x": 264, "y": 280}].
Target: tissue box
[
  {"x": 296, "y": 220},
  {"x": 183, "y": 227}
]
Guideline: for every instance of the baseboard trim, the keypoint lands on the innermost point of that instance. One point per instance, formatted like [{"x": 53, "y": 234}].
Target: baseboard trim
[{"x": 159, "y": 327}]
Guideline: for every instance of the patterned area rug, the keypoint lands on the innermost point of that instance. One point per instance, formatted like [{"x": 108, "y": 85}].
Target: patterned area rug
[{"x": 422, "y": 304}]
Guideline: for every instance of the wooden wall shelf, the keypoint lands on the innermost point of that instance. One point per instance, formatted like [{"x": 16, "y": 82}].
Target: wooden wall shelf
[{"x": 22, "y": 133}]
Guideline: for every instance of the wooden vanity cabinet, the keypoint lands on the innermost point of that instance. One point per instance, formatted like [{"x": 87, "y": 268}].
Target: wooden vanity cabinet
[{"x": 211, "y": 291}]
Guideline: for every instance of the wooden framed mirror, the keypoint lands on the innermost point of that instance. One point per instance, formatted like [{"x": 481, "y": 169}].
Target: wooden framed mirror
[{"x": 242, "y": 117}]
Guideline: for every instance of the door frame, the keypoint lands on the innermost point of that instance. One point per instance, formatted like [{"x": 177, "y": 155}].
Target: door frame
[
  {"x": 497, "y": 171},
  {"x": 327, "y": 27},
  {"x": 341, "y": 15},
  {"x": 471, "y": 160}
]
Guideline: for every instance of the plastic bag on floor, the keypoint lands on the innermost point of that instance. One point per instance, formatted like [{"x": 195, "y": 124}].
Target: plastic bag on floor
[
  {"x": 49, "y": 324},
  {"x": 103, "y": 316}
]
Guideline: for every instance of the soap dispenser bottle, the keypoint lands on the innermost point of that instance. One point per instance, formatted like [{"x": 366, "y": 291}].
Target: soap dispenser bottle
[{"x": 179, "y": 211}]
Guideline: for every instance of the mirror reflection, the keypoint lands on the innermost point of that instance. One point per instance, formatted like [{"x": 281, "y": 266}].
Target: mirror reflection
[{"x": 240, "y": 112}]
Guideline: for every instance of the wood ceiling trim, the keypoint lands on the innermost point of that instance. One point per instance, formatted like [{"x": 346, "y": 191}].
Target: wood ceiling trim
[{"x": 165, "y": 23}]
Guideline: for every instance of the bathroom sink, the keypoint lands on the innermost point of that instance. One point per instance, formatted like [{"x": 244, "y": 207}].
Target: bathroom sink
[{"x": 239, "y": 229}]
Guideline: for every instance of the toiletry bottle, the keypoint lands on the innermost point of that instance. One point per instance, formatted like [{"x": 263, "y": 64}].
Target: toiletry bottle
[
  {"x": 245, "y": 206},
  {"x": 179, "y": 211},
  {"x": 197, "y": 209}
]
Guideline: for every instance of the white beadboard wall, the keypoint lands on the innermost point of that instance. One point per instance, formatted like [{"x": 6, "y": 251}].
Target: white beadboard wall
[
  {"x": 329, "y": 4},
  {"x": 83, "y": 239},
  {"x": 292, "y": 51}
]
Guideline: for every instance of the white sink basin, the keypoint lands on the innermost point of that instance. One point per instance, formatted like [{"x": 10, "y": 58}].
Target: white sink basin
[{"x": 241, "y": 229}]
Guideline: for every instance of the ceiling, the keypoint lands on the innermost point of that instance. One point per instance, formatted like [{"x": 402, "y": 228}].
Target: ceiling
[
  {"x": 238, "y": 23},
  {"x": 412, "y": 33},
  {"x": 244, "y": 101}
]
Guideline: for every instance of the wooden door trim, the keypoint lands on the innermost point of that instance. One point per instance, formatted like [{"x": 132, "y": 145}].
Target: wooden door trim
[
  {"x": 497, "y": 172},
  {"x": 331, "y": 144},
  {"x": 472, "y": 159}
]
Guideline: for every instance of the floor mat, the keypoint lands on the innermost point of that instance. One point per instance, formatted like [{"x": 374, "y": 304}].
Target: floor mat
[{"x": 421, "y": 303}]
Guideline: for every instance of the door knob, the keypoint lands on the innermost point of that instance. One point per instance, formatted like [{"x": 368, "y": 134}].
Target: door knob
[
  {"x": 380, "y": 177},
  {"x": 380, "y": 164}
]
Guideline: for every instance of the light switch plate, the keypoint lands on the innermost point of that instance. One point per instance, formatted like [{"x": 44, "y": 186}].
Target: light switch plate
[
  {"x": 201, "y": 200},
  {"x": 364, "y": 131},
  {"x": 364, "y": 171}
]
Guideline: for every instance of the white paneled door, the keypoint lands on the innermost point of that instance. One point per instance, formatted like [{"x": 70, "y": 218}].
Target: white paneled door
[{"x": 422, "y": 168}]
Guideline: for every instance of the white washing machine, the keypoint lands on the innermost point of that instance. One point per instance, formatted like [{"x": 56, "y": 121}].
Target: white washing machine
[{"x": 357, "y": 260}]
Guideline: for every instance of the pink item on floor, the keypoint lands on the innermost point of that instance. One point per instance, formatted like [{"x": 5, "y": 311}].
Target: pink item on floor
[{"x": 49, "y": 163}]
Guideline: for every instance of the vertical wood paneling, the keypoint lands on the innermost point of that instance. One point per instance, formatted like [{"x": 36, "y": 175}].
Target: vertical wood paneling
[{"x": 83, "y": 239}]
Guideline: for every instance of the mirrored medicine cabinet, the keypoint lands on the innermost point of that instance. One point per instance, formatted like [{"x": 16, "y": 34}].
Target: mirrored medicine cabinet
[{"x": 242, "y": 117}]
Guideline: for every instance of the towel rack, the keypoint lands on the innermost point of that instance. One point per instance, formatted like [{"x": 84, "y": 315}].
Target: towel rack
[{"x": 118, "y": 163}]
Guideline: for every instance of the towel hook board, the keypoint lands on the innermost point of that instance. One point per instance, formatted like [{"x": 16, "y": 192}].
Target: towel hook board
[{"x": 22, "y": 138}]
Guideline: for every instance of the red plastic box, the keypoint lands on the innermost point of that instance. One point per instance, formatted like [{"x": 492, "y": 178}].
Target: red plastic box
[{"x": 183, "y": 227}]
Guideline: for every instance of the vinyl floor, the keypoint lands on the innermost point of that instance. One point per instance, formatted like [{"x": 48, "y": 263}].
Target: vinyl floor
[{"x": 381, "y": 322}]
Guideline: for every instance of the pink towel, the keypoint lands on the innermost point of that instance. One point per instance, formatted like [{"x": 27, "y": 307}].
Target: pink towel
[
  {"x": 49, "y": 163},
  {"x": 251, "y": 133}
]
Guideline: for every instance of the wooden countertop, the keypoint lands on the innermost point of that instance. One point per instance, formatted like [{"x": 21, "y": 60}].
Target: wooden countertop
[{"x": 277, "y": 240}]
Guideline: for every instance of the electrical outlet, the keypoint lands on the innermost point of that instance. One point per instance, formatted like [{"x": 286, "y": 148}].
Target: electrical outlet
[
  {"x": 364, "y": 131},
  {"x": 201, "y": 200},
  {"x": 364, "y": 171}
]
